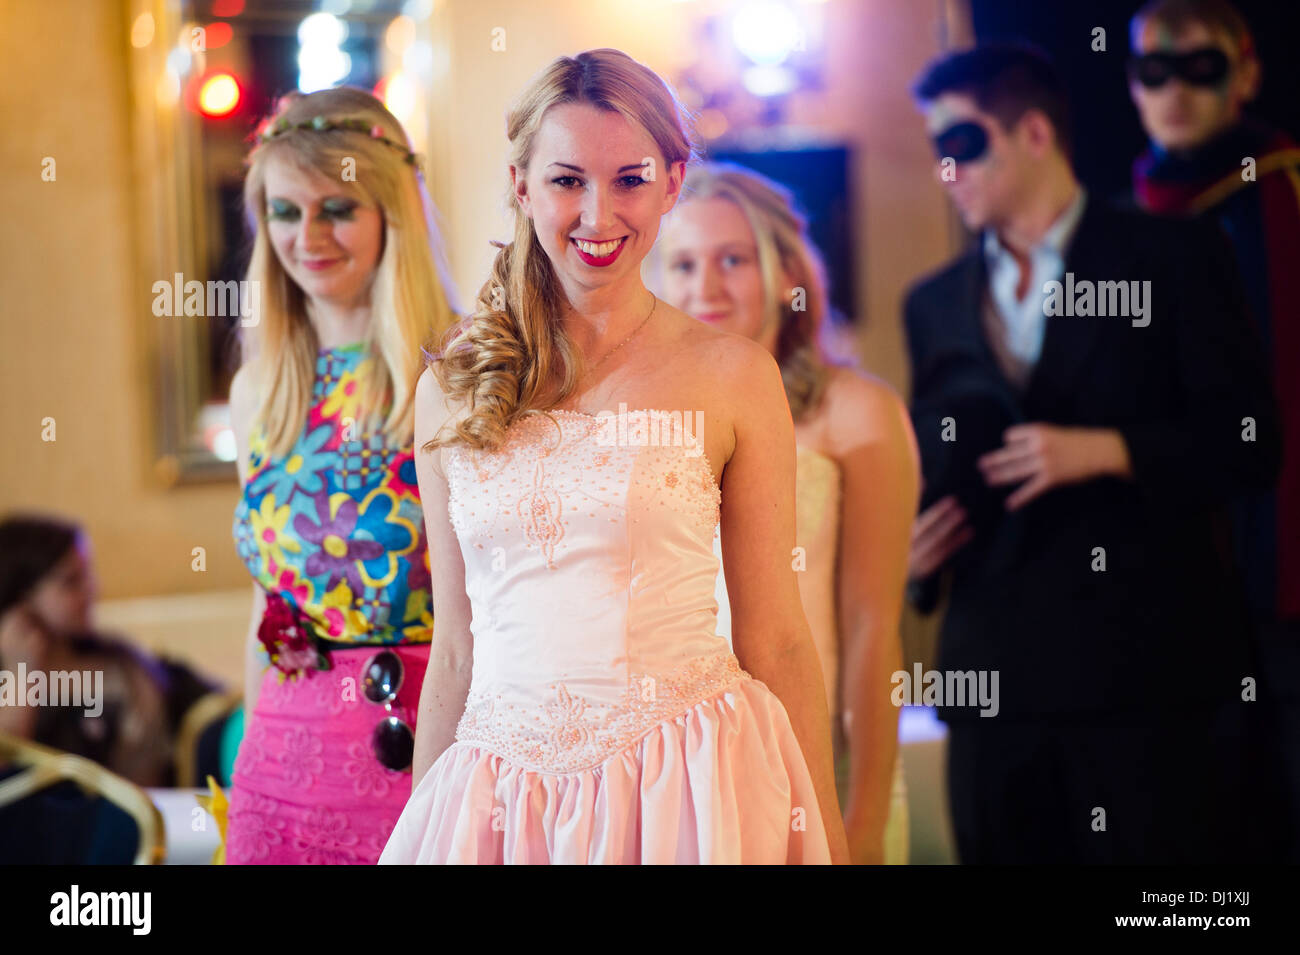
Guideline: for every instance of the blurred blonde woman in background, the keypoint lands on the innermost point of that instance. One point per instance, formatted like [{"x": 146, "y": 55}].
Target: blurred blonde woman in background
[
  {"x": 736, "y": 255},
  {"x": 348, "y": 260}
]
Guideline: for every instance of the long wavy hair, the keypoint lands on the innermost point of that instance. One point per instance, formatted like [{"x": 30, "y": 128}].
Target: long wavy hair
[
  {"x": 504, "y": 360},
  {"x": 412, "y": 299},
  {"x": 783, "y": 243}
]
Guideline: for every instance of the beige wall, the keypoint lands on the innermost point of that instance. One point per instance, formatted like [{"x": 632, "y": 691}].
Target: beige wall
[
  {"x": 73, "y": 323},
  {"x": 72, "y": 315}
]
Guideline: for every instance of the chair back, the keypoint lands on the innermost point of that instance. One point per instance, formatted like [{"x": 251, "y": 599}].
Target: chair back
[{"x": 41, "y": 770}]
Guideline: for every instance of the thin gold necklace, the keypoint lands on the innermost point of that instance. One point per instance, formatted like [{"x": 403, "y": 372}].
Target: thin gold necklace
[{"x": 653, "y": 306}]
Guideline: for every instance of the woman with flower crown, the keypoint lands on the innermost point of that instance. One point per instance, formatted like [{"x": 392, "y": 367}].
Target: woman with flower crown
[{"x": 348, "y": 264}]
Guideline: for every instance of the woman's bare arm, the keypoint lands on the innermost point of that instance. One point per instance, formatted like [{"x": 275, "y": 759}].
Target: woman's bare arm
[
  {"x": 451, "y": 654},
  {"x": 254, "y": 660},
  {"x": 242, "y": 408},
  {"x": 770, "y": 634},
  {"x": 871, "y": 438}
]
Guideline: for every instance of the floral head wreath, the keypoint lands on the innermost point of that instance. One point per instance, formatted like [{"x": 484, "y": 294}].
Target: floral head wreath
[{"x": 278, "y": 127}]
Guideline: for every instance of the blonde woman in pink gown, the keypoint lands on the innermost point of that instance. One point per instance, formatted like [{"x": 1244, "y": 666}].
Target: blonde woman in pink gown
[
  {"x": 733, "y": 253},
  {"x": 584, "y": 439}
]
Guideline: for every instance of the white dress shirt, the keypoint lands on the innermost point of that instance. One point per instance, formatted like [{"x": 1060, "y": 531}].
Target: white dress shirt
[{"x": 1023, "y": 321}]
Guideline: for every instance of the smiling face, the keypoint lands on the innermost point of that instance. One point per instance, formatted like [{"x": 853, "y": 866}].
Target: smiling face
[
  {"x": 327, "y": 241},
  {"x": 1178, "y": 115},
  {"x": 594, "y": 195},
  {"x": 713, "y": 272},
  {"x": 985, "y": 191}
]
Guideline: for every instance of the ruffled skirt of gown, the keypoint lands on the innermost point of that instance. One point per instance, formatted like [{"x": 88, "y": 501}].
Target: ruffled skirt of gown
[{"x": 723, "y": 782}]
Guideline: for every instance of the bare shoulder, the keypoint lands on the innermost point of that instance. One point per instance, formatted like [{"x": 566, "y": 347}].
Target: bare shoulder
[
  {"x": 710, "y": 343},
  {"x": 734, "y": 381},
  {"x": 737, "y": 367},
  {"x": 434, "y": 411},
  {"x": 864, "y": 409},
  {"x": 436, "y": 416},
  {"x": 431, "y": 403}
]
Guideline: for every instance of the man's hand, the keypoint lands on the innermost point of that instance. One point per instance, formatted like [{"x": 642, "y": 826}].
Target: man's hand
[
  {"x": 938, "y": 532},
  {"x": 1045, "y": 456}
]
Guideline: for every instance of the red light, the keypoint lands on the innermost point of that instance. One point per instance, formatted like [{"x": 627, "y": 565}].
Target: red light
[
  {"x": 216, "y": 35},
  {"x": 227, "y": 8},
  {"x": 219, "y": 95}
]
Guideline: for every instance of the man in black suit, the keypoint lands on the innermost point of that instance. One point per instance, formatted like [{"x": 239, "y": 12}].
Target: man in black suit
[{"x": 1087, "y": 396}]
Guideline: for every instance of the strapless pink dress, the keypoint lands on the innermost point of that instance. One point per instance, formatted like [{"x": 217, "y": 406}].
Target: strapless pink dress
[{"x": 607, "y": 721}]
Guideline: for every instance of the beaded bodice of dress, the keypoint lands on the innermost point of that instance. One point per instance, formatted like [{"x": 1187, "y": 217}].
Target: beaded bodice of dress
[{"x": 590, "y": 572}]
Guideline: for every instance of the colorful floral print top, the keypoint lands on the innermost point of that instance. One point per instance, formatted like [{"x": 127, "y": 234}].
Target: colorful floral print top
[{"x": 335, "y": 527}]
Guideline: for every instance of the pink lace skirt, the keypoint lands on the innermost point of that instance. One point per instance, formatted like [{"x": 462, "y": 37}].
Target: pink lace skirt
[{"x": 307, "y": 788}]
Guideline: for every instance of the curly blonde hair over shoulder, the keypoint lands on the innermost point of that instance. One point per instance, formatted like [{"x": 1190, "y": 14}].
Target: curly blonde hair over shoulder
[{"x": 511, "y": 357}]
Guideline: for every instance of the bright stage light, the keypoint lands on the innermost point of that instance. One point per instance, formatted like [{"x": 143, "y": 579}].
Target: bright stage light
[
  {"x": 322, "y": 29},
  {"x": 320, "y": 67},
  {"x": 222, "y": 442},
  {"x": 217, "y": 35},
  {"x": 179, "y": 60},
  {"x": 766, "y": 32},
  {"x": 769, "y": 80},
  {"x": 399, "y": 34},
  {"x": 321, "y": 64},
  {"x": 142, "y": 31},
  {"x": 400, "y": 96},
  {"x": 219, "y": 95}
]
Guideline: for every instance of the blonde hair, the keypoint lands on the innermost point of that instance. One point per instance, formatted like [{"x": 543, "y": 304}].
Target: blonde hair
[
  {"x": 503, "y": 360},
  {"x": 783, "y": 243},
  {"x": 411, "y": 299}
]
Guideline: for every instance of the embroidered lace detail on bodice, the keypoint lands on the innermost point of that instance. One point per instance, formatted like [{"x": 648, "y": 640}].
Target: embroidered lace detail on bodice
[
  {"x": 590, "y": 573},
  {"x": 568, "y": 733},
  {"x": 579, "y": 462}
]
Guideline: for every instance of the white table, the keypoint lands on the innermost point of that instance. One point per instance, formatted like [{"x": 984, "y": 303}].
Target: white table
[{"x": 192, "y": 834}]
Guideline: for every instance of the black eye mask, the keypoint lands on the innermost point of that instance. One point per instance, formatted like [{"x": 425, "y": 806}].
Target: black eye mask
[
  {"x": 1207, "y": 66},
  {"x": 962, "y": 142}
]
